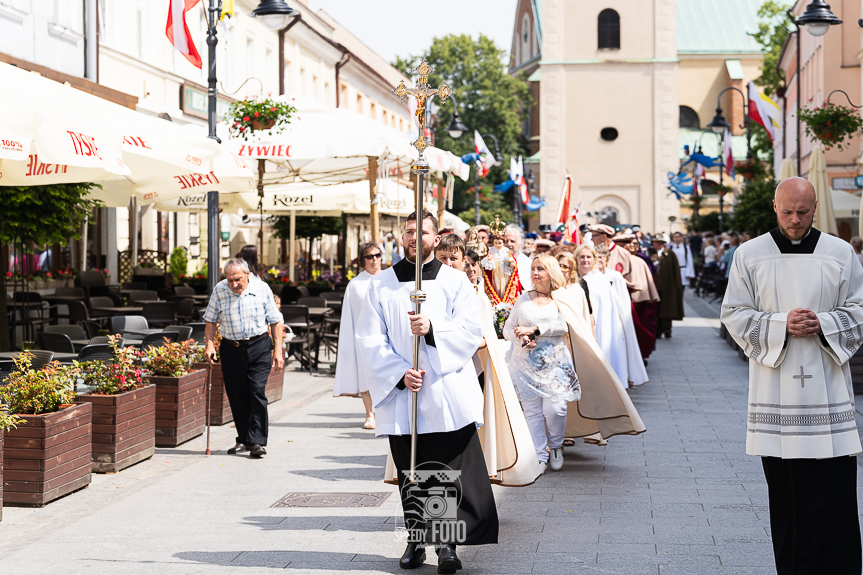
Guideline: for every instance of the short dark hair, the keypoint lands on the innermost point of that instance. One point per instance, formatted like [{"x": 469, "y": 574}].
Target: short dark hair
[
  {"x": 450, "y": 242},
  {"x": 364, "y": 249},
  {"x": 427, "y": 215}
]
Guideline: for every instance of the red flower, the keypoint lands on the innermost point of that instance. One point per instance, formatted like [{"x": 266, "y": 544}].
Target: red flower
[
  {"x": 246, "y": 118},
  {"x": 273, "y": 109},
  {"x": 257, "y": 114}
]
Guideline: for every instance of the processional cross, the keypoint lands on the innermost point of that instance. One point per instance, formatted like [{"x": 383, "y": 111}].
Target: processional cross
[
  {"x": 802, "y": 377},
  {"x": 424, "y": 95}
]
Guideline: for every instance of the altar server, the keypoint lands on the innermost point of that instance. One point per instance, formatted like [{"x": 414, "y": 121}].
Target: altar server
[
  {"x": 448, "y": 453},
  {"x": 795, "y": 304},
  {"x": 351, "y": 374}
]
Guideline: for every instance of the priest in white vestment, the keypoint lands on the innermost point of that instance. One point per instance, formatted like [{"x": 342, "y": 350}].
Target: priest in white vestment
[
  {"x": 351, "y": 374},
  {"x": 684, "y": 258},
  {"x": 795, "y": 304},
  {"x": 450, "y": 408}
]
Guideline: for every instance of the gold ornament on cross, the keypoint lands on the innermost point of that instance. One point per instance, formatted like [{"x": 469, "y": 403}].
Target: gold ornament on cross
[{"x": 422, "y": 93}]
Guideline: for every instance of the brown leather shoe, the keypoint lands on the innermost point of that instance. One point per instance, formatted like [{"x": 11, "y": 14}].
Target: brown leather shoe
[
  {"x": 238, "y": 448},
  {"x": 258, "y": 451}
]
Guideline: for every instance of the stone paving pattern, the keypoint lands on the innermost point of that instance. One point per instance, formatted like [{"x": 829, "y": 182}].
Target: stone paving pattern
[{"x": 683, "y": 498}]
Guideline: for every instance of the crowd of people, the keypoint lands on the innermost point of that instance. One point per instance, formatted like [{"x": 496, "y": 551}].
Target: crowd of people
[{"x": 553, "y": 333}]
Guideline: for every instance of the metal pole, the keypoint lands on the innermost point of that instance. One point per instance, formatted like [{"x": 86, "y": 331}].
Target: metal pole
[
  {"x": 417, "y": 296},
  {"x": 721, "y": 195},
  {"x": 209, "y": 397},
  {"x": 476, "y": 189},
  {"x": 212, "y": 197}
]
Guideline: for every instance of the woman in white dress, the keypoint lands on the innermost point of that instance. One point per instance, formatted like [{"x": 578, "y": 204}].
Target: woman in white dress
[
  {"x": 351, "y": 374},
  {"x": 541, "y": 364},
  {"x": 609, "y": 327}
]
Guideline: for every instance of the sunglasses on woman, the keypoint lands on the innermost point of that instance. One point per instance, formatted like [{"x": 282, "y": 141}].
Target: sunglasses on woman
[
  {"x": 564, "y": 267},
  {"x": 372, "y": 256}
]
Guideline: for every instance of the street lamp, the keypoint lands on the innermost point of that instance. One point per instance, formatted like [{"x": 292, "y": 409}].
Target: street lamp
[
  {"x": 718, "y": 124},
  {"x": 817, "y": 19},
  {"x": 455, "y": 128},
  {"x": 721, "y": 193},
  {"x": 275, "y": 14}
]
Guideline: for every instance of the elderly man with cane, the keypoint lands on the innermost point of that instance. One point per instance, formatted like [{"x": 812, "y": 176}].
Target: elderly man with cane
[{"x": 246, "y": 313}]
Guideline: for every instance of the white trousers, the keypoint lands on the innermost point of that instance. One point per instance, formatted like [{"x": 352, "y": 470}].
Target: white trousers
[{"x": 542, "y": 413}]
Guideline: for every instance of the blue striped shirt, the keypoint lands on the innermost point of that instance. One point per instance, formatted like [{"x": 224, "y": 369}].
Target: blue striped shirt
[{"x": 246, "y": 315}]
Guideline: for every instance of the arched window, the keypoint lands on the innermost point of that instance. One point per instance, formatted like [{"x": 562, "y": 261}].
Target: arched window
[
  {"x": 609, "y": 30},
  {"x": 689, "y": 118},
  {"x": 525, "y": 38},
  {"x": 609, "y": 216}
]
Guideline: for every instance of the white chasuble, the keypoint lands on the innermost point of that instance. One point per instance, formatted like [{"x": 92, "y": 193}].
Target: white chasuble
[
  {"x": 636, "y": 372},
  {"x": 351, "y": 373},
  {"x": 801, "y": 403},
  {"x": 450, "y": 397},
  {"x": 609, "y": 325}
]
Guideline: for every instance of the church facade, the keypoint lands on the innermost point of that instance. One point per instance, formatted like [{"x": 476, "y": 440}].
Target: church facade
[{"x": 619, "y": 87}]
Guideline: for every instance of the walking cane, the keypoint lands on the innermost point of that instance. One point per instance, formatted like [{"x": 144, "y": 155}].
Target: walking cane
[
  {"x": 422, "y": 93},
  {"x": 209, "y": 396}
]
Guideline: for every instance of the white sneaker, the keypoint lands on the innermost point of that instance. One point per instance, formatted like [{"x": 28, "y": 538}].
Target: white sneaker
[
  {"x": 556, "y": 459},
  {"x": 542, "y": 466}
]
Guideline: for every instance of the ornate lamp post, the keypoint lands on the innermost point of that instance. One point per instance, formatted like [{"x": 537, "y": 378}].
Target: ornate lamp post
[
  {"x": 718, "y": 124},
  {"x": 422, "y": 93},
  {"x": 275, "y": 14},
  {"x": 817, "y": 19}
]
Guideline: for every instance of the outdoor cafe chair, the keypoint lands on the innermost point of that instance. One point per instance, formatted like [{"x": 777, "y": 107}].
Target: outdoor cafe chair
[
  {"x": 56, "y": 342},
  {"x": 135, "y": 285},
  {"x": 297, "y": 318},
  {"x": 74, "y": 291},
  {"x": 96, "y": 351},
  {"x": 73, "y": 331},
  {"x": 99, "y": 301},
  {"x": 129, "y": 325},
  {"x": 184, "y": 330},
  {"x": 198, "y": 331},
  {"x": 333, "y": 295},
  {"x": 312, "y": 301},
  {"x": 158, "y": 313},
  {"x": 7, "y": 366},
  {"x": 185, "y": 308},
  {"x": 93, "y": 283},
  {"x": 79, "y": 313},
  {"x": 158, "y": 339},
  {"x": 91, "y": 327},
  {"x": 41, "y": 358},
  {"x": 35, "y": 314},
  {"x": 105, "y": 340},
  {"x": 184, "y": 290}
]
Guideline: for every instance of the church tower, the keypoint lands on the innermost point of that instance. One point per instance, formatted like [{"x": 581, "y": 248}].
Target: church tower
[{"x": 608, "y": 107}]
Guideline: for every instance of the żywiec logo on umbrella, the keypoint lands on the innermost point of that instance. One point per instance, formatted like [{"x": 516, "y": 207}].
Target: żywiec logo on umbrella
[{"x": 265, "y": 151}]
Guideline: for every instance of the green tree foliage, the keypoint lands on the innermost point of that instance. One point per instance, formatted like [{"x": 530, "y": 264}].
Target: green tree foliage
[
  {"x": 753, "y": 212},
  {"x": 489, "y": 100},
  {"x": 773, "y": 29},
  {"x": 708, "y": 222},
  {"x": 491, "y": 204},
  {"x": 307, "y": 226},
  {"x": 179, "y": 263},
  {"x": 37, "y": 215}
]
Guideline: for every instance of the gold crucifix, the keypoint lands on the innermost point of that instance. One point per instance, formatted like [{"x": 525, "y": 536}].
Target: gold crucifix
[{"x": 422, "y": 93}]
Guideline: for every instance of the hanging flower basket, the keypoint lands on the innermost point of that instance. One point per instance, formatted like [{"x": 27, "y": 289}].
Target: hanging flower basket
[
  {"x": 245, "y": 117},
  {"x": 750, "y": 169},
  {"x": 832, "y": 125}
]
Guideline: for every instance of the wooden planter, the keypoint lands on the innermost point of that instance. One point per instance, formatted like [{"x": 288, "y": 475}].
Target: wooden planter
[
  {"x": 124, "y": 428},
  {"x": 47, "y": 456},
  {"x": 180, "y": 407},
  {"x": 1, "y": 475},
  {"x": 220, "y": 407}
]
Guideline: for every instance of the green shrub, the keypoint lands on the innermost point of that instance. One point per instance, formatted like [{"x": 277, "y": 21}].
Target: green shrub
[
  {"x": 116, "y": 376},
  {"x": 29, "y": 392},
  {"x": 178, "y": 263}
]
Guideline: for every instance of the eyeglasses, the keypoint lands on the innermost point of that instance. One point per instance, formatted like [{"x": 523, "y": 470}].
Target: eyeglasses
[
  {"x": 370, "y": 257},
  {"x": 565, "y": 267}
]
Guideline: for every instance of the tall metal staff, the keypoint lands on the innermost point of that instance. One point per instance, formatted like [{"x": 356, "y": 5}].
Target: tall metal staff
[{"x": 422, "y": 92}]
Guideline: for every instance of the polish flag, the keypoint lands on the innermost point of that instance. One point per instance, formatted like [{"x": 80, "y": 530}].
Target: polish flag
[
  {"x": 727, "y": 158},
  {"x": 179, "y": 35}
]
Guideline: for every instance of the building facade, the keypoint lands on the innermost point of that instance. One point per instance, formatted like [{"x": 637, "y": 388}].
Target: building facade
[{"x": 615, "y": 82}]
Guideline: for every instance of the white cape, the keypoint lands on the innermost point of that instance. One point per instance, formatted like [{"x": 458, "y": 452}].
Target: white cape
[
  {"x": 609, "y": 325},
  {"x": 637, "y": 374},
  {"x": 351, "y": 373}
]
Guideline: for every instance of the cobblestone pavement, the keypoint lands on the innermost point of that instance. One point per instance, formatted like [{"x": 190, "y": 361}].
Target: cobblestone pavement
[{"x": 682, "y": 498}]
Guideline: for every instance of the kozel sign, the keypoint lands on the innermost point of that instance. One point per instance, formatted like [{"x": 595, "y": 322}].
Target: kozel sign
[{"x": 288, "y": 201}]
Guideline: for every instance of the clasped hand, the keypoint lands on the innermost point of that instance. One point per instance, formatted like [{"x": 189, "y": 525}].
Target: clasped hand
[
  {"x": 803, "y": 323},
  {"x": 524, "y": 333}
]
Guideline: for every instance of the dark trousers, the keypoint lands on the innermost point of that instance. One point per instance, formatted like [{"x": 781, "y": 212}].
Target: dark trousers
[
  {"x": 813, "y": 515},
  {"x": 663, "y": 326},
  {"x": 245, "y": 370}
]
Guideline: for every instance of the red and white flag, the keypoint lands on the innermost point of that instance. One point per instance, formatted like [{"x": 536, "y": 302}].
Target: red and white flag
[
  {"x": 179, "y": 35},
  {"x": 727, "y": 158}
]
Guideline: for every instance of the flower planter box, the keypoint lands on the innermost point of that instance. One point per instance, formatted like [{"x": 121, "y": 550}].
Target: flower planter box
[
  {"x": 181, "y": 404},
  {"x": 1, "y": 475},
  {"x": 124, "y": 428},
  {"x": 47, "y": 456},
  {"x": 220, "y": 407}
]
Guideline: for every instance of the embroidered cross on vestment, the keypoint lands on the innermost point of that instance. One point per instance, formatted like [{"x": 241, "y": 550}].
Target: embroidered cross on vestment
[{"x": 802, "y": 377}]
